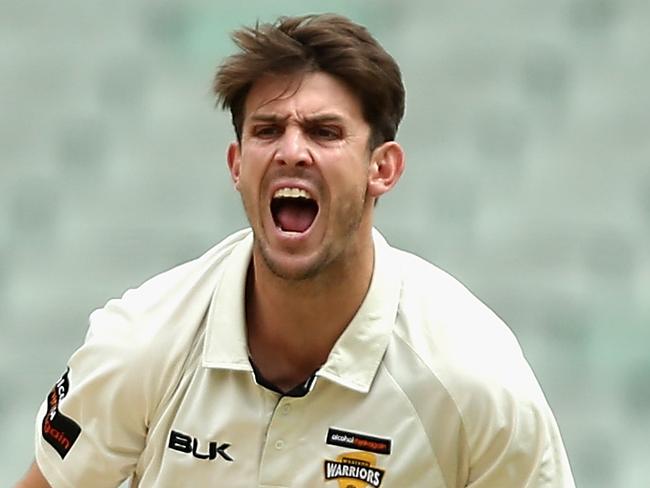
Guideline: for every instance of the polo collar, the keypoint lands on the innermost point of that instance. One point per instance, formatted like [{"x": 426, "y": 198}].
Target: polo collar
[
  {"x": 355, "y": 357},
  {"x": 225, "y": 341}
]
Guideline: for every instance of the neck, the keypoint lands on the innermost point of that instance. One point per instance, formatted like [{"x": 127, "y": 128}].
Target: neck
[{"x": 293, "y": 325}]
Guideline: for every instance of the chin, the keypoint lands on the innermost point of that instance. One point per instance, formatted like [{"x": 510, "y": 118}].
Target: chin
[{"x": 292, "y": 267}]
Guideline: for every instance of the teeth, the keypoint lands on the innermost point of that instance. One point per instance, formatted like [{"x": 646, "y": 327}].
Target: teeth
[{"x": 291, "y": 193}]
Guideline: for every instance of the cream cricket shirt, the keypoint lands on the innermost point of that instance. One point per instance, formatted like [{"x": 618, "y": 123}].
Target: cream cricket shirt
[{"x": 425, "y": 388}]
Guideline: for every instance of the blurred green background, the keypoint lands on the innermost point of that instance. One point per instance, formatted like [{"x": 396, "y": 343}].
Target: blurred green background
[{"x": 528, "y": 178}]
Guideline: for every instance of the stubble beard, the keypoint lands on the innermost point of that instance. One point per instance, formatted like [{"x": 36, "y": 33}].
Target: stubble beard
[{"x": 334, "y": 251}]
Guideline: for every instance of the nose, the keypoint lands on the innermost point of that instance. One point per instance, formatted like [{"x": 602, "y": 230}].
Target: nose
[{"x": 293, "y": 148}]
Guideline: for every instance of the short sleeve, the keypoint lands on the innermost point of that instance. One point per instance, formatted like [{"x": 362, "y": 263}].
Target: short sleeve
[{"x": 91, "y": 428}]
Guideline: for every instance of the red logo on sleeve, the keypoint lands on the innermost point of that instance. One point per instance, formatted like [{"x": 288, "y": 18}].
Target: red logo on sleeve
[{"x": 59, "y": 431}]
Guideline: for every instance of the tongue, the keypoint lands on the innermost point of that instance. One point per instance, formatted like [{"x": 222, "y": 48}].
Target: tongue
[{"x": 295, "y": 218}]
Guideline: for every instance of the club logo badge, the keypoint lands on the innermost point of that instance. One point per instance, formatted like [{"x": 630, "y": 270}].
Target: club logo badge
[{"x": 354, "y": 470}]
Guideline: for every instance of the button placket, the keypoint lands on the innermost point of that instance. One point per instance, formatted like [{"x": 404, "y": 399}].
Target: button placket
[{"x": 281, "y": 438}]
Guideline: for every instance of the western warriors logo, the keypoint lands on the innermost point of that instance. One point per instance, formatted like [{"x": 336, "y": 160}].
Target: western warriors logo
[
  {"x": 354, "y": 470},
  {"x": 59, "y": 431}
]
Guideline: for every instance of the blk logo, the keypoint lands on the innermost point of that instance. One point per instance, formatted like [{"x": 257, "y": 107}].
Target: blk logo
[{"x": 190, "y": 445}]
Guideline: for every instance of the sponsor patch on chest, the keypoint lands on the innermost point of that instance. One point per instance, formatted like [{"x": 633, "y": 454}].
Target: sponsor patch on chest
[{"x": 361, "y": 442}]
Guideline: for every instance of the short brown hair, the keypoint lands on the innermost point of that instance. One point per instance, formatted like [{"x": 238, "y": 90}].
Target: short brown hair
[{"x": 327, "y": 42}]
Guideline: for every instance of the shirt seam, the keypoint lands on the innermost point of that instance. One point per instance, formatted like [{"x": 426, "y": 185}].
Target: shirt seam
[{"x": 465, "y": 442}]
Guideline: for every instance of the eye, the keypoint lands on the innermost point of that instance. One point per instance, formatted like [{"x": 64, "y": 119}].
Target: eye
[
  {"x": 325, "y": 132},
  {"x": 266, "y": 131}
]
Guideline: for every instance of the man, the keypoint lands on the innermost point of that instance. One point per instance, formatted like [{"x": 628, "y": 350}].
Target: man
[{"x": 304, "y": 352}]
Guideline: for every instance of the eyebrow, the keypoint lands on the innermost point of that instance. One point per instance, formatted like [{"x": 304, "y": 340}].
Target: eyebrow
[{"x": 309, "y": 120}]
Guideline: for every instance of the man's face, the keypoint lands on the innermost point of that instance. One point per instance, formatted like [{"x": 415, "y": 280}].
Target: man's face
[{"x": 302, "y": 172}]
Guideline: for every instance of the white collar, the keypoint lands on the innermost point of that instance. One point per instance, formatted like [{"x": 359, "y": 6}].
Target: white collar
[{"x": 354, "y": 359}]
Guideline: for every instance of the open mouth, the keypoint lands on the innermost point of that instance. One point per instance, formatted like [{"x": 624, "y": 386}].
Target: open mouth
[{"x": 293, "y": 210}]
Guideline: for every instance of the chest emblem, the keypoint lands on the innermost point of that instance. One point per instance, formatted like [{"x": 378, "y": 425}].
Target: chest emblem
[{"x": 354, "y": 470}]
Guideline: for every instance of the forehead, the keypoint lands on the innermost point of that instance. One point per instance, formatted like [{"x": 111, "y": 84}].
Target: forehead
[{"x": 303, "y": 95}]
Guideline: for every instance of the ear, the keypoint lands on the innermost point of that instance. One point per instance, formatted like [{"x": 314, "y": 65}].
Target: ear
[
  {"x": 234, "y": 162},
  {"x": 386, "y": 167}
]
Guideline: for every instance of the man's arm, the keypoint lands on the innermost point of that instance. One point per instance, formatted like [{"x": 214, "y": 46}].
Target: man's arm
[{"x": 33, "y": 478}]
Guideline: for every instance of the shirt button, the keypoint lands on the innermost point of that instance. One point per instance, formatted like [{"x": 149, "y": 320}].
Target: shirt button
[{"x": 279, "y": 444}]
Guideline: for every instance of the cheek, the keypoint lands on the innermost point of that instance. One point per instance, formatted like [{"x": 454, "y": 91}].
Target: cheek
[
  {"x": 250, "y": 200},
  {"x": 351, "y": 177},
  {"x": 250, "y": 173},
  {"x": 248, "y": 189}
]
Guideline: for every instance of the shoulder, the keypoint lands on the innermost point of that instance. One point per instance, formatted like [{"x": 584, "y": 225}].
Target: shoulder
[
  {"x": 167, "y": 301},
  {"x": 461, "y": 342},
  {"x": 145, "y": 335},
  {"x": 456, "y": 359},
  {"x": 435, "y": 308},
  {"x": 135, "y": 348},
  {"x": 175, "y": 284}
]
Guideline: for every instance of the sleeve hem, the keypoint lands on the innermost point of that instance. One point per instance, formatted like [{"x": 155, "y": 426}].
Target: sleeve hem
[{"x": 50, "y": 472}]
